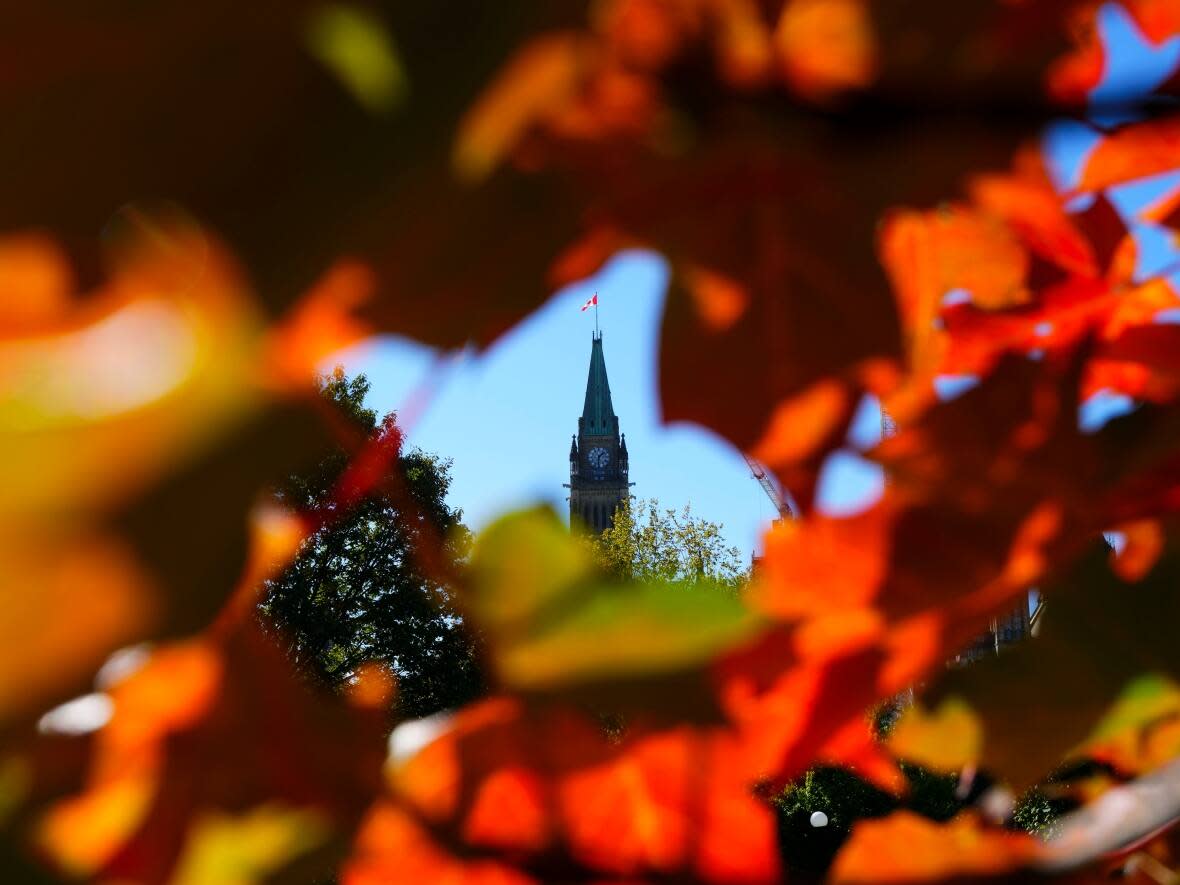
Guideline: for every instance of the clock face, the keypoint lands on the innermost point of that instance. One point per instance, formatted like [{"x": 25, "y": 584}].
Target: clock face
[{"x": 599, "y": 457}]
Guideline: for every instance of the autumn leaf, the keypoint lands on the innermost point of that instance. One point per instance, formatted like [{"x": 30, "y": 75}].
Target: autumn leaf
[
  {"x": 552, "y": 622},
  {"x": 785, "y": 158},
  {"x": 771, "y": 242},
  {"x": 391, "y": 849},
  {"x": 164, "y": 798},
  {"x": 1072, "y": 77},
  {"x": 1141, "y": 729},
  {"x": 547, "y": 786},
  {"x": 826, "y": 47},
  {"x": 361, "y": 105},
  {"x": 947, "y": 739},
  {"x": 822, "y": 565},
  {"x": 92, "y": 597},
  {"x": 1008, "y": 694},
  {"x": 1135, "y": 150},
  {"x": 161, "y": 372},
  {"x": 974, "y": 253},
  {"x": 907, "y": 848}
]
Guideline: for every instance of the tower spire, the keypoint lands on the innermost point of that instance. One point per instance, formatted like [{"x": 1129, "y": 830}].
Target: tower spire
[
  {"x": 599, "y": 472},
  {"x": 598, "y": 414}
]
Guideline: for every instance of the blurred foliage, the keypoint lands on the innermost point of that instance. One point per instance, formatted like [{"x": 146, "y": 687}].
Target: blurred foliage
[
  {"x": 846, "y": 798},
  {"x": 204, "y": 201},
  {"x": 555, "y": 624}
]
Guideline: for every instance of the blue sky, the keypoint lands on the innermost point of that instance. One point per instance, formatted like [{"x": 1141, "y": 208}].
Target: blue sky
[{"x": 505, "y": 416}]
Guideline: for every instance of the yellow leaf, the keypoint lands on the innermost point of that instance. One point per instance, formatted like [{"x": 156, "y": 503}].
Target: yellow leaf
[
  {"x": 244, "y": 849},
  {"x": 948, "y": 739},
  {"x": 356, "y": 47},
  {"x": 541, "y": 77}
]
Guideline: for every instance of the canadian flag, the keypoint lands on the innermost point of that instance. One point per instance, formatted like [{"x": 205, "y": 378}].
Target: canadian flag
[{"x": 593, "y": 302}]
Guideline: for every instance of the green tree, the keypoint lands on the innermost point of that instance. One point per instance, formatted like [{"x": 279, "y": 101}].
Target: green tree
[
  {"x": 356, "y": 592},
  {"x": 651, "y": 543},
  {"x": 842, "y": 797}
]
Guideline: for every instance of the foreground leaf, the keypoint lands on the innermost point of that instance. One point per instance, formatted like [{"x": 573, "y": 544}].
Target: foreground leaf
[
  {"x": 1088, "y": 608},
  {"x": 162, "y": 790},
  {"x": 546, "y": 787},
  {"x": 907, "y": 848},
  {"x": 552, "y": 622}
]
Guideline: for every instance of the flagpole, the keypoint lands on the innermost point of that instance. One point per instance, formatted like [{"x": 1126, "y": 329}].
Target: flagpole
[{"x": 596, "y": 332}]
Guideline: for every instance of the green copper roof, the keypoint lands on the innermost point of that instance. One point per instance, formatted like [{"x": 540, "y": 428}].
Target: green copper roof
[{"x": 598, "y": 415}]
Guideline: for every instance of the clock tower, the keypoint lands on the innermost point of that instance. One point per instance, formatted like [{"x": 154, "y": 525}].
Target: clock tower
[{"x": 598, "y": 454}]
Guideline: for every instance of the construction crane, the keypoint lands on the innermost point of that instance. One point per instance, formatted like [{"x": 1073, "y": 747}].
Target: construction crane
[{"x": 780, "y": 502}]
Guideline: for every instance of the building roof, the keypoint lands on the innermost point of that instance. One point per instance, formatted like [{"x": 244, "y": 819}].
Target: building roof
[{"x": 598, "y": 415}]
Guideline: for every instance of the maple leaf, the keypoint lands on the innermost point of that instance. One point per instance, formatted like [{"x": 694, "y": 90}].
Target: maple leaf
[
  {"x": 904, "y": 847},
  {"x": 1072, "y": 78},
  {"x": 342, "y": 117},
  {"x": 948, "y": 739},
  {"x": 162, "y": 791},
  {"x": 1008, "y": 692},
  {"x": 766, "y": 212},
  {"x": 160, "y": 372},
  {"x": 547, "y": 787},
  {"x": 757, "y": 146},
  {"x": 555, "y": 625}
]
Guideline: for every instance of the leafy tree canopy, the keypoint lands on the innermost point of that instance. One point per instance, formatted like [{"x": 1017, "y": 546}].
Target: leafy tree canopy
[
  {"x": 357, "y": 592},
  {"x": 648, "y": 542}
]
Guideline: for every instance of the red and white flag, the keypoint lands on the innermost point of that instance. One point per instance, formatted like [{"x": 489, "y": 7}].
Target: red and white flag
[{"x": 593, "y": 302}]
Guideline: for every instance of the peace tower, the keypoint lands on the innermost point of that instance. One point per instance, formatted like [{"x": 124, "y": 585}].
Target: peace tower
[{"x": 598, "y": 454}]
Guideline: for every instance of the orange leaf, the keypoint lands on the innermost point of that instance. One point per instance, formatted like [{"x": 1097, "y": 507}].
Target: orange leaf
[
  {"x": 976, "y": 253},
  {"x": 1159, "y": 20},
  {"x": 322, "y": 322},
  {"x": 632, "y": 813},
  {"x": 1133, "y": 151},
  {"x": 826, "y": 46},
  {"x": 1027, "y": 202},
  {"x": 823, "y": 565},
  {"x": 391, "y": 849},
  {"x": 743, "y": 42},
  {"x": 545, "y": 782},
  {"x": 35, "y": 283},
  {"x": 508, "y": 812},
  {"x": 907, "y": 848},
  {"x": 173, "y": 720},
  {"x": 1144, "y": 542},
  {"x": 541, "y": 78},
  {"x": 76, "y": 596},
  {"x": 948, "y": 739},
  {"x": 1071, "y": 78}
]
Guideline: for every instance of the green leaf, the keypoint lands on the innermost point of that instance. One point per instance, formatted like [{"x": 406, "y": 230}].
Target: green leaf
[
  {"x": 1145, "y": 699},
  {"x": 520, "y": 565},
  {"x": 553, "y": 622},
  {"x": 617, "y": 630},
  {"x": 355, "y": 46}
]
